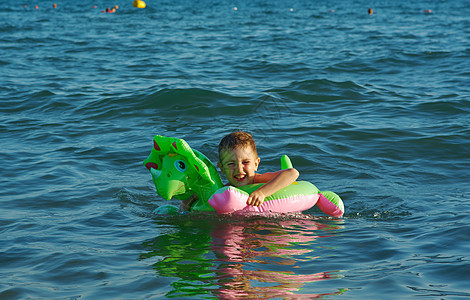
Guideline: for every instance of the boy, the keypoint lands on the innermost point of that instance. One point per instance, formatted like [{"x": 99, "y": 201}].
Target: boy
[{"x": 238, "y": 160}]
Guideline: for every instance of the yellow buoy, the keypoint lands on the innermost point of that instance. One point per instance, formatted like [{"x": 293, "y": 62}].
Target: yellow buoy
[{"x": 139, "y": 4}]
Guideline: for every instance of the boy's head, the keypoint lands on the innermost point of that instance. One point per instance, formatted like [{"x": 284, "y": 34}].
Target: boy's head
[{"x": 238, "y": 158}]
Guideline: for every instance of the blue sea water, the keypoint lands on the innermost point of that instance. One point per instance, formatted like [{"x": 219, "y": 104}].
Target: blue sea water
[{"x": 374, "y": 107}]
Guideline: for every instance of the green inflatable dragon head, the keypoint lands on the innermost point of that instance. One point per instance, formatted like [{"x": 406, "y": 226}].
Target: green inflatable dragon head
[{"x": 179, "y": 172}]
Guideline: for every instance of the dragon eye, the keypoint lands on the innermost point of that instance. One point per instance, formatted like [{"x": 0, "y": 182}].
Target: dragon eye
[{"x": 180, "y": 166}]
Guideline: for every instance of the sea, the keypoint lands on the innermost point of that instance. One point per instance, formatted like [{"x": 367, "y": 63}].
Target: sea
[{"x": 371, "y": 104}]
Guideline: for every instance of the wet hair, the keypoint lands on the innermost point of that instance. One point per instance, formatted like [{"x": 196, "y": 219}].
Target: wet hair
[{"x": 237, "y": 139}]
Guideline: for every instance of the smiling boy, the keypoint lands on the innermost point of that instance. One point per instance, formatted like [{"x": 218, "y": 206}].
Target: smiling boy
[{"x": 238, "y": 160}]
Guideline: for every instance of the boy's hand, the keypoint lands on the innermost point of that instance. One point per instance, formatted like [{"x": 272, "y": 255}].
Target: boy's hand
[
  {"x": 186, "y": 204},
  {"x": 256, "y": 198}
]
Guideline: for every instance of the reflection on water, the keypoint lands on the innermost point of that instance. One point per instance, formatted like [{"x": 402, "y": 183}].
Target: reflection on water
[{"x": 240, "y": 257}]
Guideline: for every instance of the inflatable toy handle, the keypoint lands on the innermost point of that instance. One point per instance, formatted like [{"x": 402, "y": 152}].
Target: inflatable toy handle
[{"x": 285, "y": 162}]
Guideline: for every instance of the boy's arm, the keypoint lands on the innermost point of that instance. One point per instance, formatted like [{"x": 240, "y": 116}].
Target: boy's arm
[
  {"x": 186, "y": 204},
  {"x": 274, "y": 182}
]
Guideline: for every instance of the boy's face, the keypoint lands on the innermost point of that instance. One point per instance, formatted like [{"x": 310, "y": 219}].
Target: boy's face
[{"x": 239, "y": 165}]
